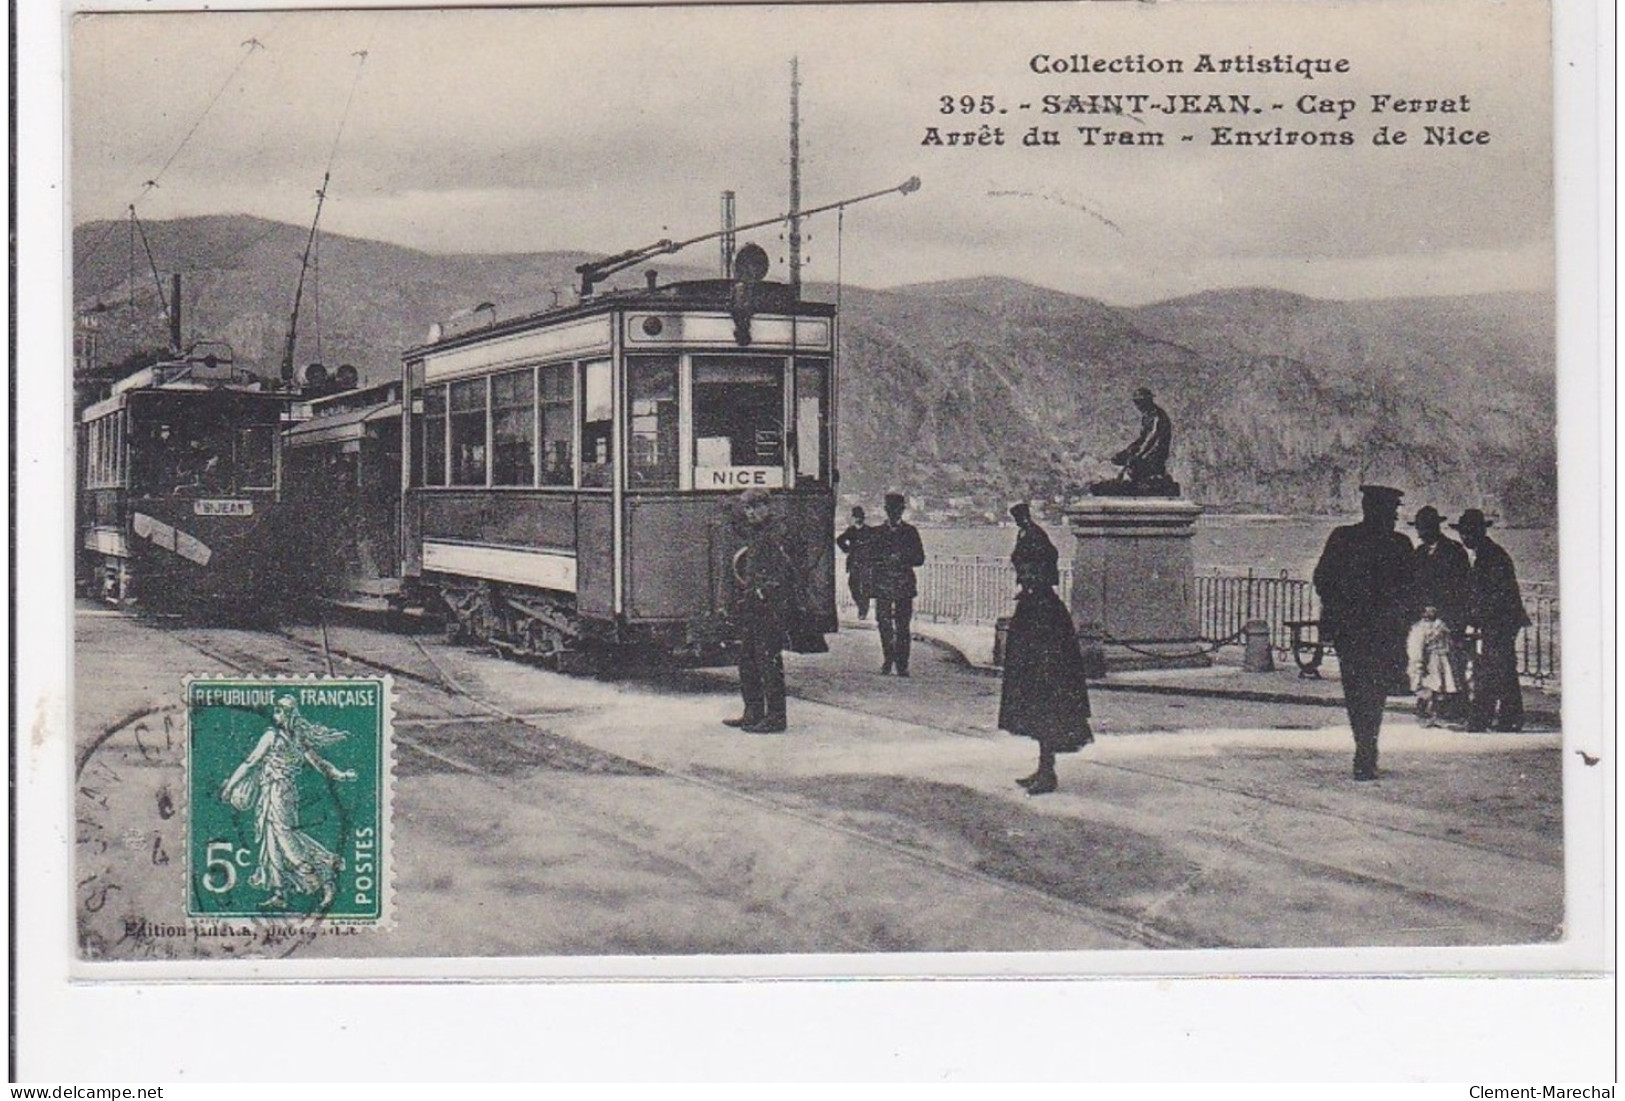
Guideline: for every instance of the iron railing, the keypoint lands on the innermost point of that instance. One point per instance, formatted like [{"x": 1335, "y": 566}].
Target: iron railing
[{"x": 979, "y": 589}]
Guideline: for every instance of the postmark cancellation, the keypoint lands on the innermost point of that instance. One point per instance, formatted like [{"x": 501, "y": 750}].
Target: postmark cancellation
[{"x": 246, "y": 812}]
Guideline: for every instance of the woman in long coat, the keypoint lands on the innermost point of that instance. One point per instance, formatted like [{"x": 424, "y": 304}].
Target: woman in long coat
[{"x": 1045, "y": 696}]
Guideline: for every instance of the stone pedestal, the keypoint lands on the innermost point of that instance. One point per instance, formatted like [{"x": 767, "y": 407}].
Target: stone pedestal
[{"x": 1134, "y": 582}]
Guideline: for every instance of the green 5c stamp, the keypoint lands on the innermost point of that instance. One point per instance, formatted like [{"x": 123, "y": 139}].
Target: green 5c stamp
[{"x": 289, "y": 784}]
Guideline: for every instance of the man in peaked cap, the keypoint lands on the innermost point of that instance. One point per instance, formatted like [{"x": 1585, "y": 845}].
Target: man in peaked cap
[
  {"x": 762, "y": 576},
  {"x": 1363, "y": 579},
  {"x": 1495, "y": 608},
  {"x": 895, "y": 551}
]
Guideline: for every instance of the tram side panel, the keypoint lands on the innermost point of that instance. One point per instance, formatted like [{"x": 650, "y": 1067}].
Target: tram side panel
[{"x": 668, "y": 557}]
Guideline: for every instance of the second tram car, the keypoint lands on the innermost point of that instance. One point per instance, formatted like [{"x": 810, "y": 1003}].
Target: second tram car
[
  {"x": 178, "y": 471},
  {"x": 569, "y": 475},
  {"x": 341, "y": 474}
]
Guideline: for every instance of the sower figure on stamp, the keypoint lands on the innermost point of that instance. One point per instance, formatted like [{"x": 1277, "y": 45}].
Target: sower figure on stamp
[
  {"x": 763, "y": 577},
  {"x": 1145, "y": 461},
  {"x": 1363, "y": 579},
  {"x": 268, "y": 782},
  {"x": 896, "y": 551},
  {"x": 854, "y": 543},
  {"x": 1044, "y": 695},
  {"x": 1495, "y": 610}
]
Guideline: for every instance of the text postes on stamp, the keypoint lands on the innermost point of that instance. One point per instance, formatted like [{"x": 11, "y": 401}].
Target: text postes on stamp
[{"x": 288, "y": 809}]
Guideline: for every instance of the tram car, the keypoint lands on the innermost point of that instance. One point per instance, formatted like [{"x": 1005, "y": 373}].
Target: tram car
[
  {"x": 341, "y": 477},
  {"x": 178, "y": 488},
  {"x": 570, "y": 476}
]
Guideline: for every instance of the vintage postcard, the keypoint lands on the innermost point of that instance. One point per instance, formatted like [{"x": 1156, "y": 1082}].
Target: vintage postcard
[{"x": 865, "y": 489}]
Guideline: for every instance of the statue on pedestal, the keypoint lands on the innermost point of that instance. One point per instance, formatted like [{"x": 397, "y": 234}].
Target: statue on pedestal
[{"x": 1144, "y": 462}]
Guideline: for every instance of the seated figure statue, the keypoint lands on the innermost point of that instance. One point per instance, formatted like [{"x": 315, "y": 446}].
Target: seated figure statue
[{"x": 1145, "y": 461}]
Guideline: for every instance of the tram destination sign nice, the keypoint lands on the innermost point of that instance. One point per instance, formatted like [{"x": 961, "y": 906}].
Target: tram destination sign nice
[{"x": 738, "y": 477}]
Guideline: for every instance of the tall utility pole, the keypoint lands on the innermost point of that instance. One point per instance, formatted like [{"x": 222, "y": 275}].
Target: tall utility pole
[
  {"x": 727, "y": 235},
  {"x": 795, "y": 175}
]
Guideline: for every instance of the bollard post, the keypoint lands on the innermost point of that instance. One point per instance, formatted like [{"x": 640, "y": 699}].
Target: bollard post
[
  {"x": 1001, "y": 639},
  {"x": 1257, "y": 657}
]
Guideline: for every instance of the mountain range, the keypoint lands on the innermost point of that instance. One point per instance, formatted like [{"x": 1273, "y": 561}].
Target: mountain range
[{"x": 968, "y": 393}]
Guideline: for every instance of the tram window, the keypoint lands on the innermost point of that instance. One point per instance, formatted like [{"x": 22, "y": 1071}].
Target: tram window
[
  {"x": 118, "y": 448},
  {"x": 513, "y": 428},
  {"x": 433, "y": 442},
  {"x": 468, "y": 444},
  {"x": 597, "y": 425},
  {"x": 651, "y": 413},
  {"x": 812, "y": 421},
  {"x": 558, "y": 426},
  {"x": 738, "y": 414}
]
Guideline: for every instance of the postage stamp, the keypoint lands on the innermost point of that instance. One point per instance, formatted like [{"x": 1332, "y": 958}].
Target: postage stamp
[{"x": 288, "y": 809}]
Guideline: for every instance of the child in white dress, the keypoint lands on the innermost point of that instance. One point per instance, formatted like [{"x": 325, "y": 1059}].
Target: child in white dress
[{"x": 1432, "y": 671}]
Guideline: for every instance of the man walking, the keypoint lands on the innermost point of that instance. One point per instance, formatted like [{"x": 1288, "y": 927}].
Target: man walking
[
  {"x": 1495, "y": 608},
  {"x": 854, "y": 543},
  {"x": 762, "y": 576},
  {"x": 1363, "y": 581},
  {"x": 895, "y": 552}
]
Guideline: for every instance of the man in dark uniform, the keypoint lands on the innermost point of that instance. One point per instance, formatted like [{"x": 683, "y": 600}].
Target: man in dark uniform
[
  {"x": 854, "y": 543},
  {"x": 1495, "y": 609},
  {"x": 895, "y": 551},
  {"x": 1363, "y": 579},
  {"x": 1145, "y": 461},
  {"x": 763, "y": 577}
]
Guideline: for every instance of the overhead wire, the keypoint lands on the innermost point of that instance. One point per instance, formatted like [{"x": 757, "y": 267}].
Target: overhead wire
[
  {"x": 253, "y": 45},
  {"x": 312, "y": 247}
]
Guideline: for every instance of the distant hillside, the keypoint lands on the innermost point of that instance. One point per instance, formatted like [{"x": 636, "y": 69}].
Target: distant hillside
[{"x": 973, "y": 392}]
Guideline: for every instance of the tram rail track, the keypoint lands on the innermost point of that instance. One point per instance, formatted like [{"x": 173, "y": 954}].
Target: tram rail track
[
  {"x": 1138, "y": 928},
  {"x": 1129, "y": 928}
]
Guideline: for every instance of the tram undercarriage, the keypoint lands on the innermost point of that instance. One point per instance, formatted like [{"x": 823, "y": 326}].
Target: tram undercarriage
[{"x": 539, "y": 624}]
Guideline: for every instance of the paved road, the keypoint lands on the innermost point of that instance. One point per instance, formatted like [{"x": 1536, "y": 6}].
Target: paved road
[{"x": 540, "y": 814}]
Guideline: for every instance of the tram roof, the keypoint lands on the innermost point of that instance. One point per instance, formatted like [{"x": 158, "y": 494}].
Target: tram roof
[
  {"x": 351, "y": 424},
  {"x": 184, "y": 378},
  {"x": 487, "y": 320}
]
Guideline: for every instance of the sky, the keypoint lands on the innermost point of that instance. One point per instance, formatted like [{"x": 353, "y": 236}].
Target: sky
[{"x": 603, "y": 129}]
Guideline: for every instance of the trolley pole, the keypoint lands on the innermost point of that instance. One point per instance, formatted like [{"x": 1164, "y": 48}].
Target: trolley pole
[
  {"x": 795, "y": 176},
  {"x": 175, "y": 312}
]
